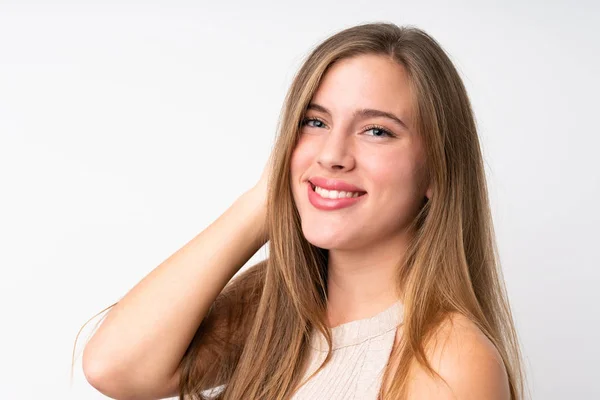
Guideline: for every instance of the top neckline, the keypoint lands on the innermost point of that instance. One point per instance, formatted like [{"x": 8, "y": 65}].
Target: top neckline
[{"x": 360, "y": 330}]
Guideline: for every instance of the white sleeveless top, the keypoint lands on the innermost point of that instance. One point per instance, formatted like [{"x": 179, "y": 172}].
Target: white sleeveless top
[{"x": 360, "y": 351}]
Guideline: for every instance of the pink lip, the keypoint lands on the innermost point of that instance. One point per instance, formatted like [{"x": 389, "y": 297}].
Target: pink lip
[
  {"x": 334, "y": 184},
  {"x": 329, "y": 204}
]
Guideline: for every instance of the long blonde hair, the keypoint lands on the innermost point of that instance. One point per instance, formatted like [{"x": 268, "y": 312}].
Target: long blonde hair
[{"x": 254, "y": 340}]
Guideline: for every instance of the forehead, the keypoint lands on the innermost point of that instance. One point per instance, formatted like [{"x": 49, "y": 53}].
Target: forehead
[{"x": 366, "y": 81}]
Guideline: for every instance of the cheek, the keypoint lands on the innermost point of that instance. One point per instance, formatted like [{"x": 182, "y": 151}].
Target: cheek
[
  {"x": 299, "y": 164},
  {"x": 397, "y": 178},
  {"x": 301, "y": 159},
  {"x": 387, "y": 170}
]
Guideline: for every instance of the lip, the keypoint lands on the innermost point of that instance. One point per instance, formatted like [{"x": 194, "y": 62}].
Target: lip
[
  {"x": 334, "y": 184},
  {"x": 324, "y": 204}
]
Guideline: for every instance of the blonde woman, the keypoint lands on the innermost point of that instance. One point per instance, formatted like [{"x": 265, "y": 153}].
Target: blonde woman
[{"x": 382, "y": 279}]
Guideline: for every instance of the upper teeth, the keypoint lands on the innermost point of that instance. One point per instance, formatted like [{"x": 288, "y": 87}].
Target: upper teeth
[{"x": 334, "y": 194}]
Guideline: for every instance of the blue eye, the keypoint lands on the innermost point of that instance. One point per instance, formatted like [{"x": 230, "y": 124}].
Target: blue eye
[
  {"x": 320, "y": 124},
  {"x": 383, "y": 132},
  {"x": 306, "y": 121}
]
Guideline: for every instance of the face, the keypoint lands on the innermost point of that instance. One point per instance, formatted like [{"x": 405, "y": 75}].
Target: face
[{"x": 374, "y": 158}]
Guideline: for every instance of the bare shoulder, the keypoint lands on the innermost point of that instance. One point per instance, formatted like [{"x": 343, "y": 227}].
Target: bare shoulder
[{"x": 466, "y": 359}]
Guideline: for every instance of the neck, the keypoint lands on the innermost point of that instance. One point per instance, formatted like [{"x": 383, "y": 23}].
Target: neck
[{"x": 362, "y": 283}]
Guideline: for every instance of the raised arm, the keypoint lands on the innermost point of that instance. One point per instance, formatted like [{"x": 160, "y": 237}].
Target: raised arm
[{"x": 137, "y": 351}]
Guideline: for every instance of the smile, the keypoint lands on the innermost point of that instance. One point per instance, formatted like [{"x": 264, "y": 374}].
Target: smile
[
  {"x": 334, "y": 194},
  {"x": 329, "y": 200}
]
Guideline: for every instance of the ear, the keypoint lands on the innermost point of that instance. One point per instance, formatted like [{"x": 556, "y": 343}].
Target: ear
[{"x": 429, "y": 193}]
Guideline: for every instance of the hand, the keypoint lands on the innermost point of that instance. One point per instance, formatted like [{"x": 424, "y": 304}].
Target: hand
[
  {"x": 257, "y": 198},
  {"x": 262, "y": 186}
]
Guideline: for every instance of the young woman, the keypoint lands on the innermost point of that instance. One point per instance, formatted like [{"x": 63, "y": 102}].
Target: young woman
[{"x": 382, "y": 279}]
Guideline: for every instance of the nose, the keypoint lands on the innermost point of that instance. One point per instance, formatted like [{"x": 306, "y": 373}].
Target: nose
[{"x": 336, "y": 152}]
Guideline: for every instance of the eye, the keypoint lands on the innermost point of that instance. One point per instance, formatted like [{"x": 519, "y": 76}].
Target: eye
[
  {"x": 307, "y": 121},
  {"x": 379, "y": 131}
]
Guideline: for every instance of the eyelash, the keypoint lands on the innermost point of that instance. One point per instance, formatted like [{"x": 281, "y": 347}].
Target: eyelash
[{"x": 370, "y": 127}]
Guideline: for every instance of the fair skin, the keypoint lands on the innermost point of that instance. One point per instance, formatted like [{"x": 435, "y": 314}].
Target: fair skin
[
  {"x": 366, "y": 241},
  {"x": 465, "y": 358},
  {"x": 136, "y": 352}
]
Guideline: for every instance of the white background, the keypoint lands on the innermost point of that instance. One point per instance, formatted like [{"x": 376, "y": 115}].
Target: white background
[{"x": 127, "y": 127}]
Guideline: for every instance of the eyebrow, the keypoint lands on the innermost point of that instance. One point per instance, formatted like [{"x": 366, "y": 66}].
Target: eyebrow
[{"x": 362, "y": 113}]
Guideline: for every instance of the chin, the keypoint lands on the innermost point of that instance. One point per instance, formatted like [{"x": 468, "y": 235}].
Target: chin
[{"x": 327, "y": 239}]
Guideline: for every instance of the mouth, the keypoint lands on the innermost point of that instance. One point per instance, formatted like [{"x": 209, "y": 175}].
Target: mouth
[
  {"x": 332, "y": 200},
  {"x": 335, "y": 194}
]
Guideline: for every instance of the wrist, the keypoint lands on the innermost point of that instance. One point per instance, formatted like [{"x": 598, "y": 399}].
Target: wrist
[{"x": 254, "y": 204}]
